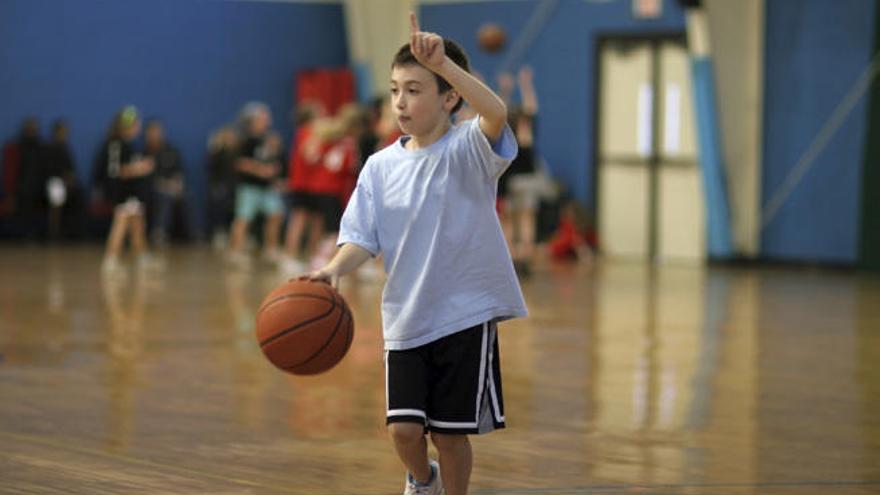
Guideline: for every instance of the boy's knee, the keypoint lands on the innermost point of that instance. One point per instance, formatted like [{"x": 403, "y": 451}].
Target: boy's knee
[
  {"x": 406, "y": 432},
  {"x": 445, "y": 441}
]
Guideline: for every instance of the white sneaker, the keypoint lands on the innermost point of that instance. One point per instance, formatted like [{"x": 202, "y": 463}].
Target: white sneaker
[
  {"x": 150, "y": 262},
  {"x": 219, "y": 241},
  {"x": 272, "y": 257},
  {"x": 434, "y": 487},
  {"x": 238, "y": 260},
  {"x": 111, "y": 266}
]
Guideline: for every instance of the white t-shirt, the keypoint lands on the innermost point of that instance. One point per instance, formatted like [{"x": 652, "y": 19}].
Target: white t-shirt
[{"x": 431, "y": 214}]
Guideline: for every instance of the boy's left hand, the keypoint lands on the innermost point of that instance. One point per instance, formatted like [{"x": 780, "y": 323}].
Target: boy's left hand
[{"x": 426, "y": 47}]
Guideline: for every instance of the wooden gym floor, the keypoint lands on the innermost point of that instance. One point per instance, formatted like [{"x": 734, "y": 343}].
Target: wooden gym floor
[{"x": 625, "y": 379}]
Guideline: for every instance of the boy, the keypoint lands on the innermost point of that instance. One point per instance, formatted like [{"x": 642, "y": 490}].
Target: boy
[
  {"x": 258, "y": 168},
  {"x": 427, "y": 204}
]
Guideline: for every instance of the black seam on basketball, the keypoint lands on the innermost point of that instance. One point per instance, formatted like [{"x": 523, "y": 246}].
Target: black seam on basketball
[
  {"x": 296, "y": 327},
  {"x": 289, "y": 296},
  {"x": 326, "y": 343}
]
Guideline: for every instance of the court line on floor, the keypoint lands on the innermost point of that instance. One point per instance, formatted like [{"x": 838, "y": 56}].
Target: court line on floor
[{"x": 144, "y": 462}]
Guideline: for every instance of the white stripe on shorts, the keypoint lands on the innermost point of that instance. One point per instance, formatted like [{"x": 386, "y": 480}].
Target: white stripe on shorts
[
  {"x": 497, "y": 410},
  {"x": 451, "y": 424},
  {"x": 398, "y": 412},
  {"x": 481, "y": 383},
  {"x": 406, "y": 412}
]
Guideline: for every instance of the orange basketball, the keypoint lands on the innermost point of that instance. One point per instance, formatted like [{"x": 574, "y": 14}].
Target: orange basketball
[
  {"x": 304, "y": 327},
  {"x": 491, "y": 37}
]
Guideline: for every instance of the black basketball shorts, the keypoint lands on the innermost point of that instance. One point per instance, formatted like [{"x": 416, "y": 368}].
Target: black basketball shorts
[{"x": 451, "y": 385}]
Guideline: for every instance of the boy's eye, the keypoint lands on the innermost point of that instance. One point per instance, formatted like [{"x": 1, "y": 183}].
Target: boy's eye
[
  {"x": 413, "y": 91},
  {"x": 394, "y": 91}
]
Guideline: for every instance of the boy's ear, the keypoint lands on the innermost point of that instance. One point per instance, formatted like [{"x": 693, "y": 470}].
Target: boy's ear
[{"x": 451, "y": 100}]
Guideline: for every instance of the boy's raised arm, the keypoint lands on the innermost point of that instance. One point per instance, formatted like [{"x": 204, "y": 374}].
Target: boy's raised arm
[{"x": 428, "y": 50}]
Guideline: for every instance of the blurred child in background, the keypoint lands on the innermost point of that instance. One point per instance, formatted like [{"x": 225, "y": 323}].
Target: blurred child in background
[
  {"x": 574, "y": 237},
  {"x": 258, "y": 166},
  {"x": 331, "y": 153},
  {"x": 332, "y": 182},
  {"x": 127, "y": 178},
  {"x": 169, "y": 186},
  {"x": 303, "y": 160},
  {"x": 23, "y": 173},
  {"x": 62, "y": 186},
  {"x": 519, "y": 187},
  {"x": 222, "y": 154}
]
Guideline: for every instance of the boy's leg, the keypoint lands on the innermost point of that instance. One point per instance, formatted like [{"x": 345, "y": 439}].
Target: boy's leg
[
  {"x": 273, "y": 209},
  {"x": 245, "y": 210},
  {"x": 236, "y": 238},
  {"x": 270, "y": 233},
  {"x": 465, "y": 398},
  {"x": 316, "y": 233},
  {"x": 162, "y": 228},
  {"x": 138, "y": 232},
  {"x": 295, "y": 229},
  {"x": 406, "y": 376},
  {"x": 117, "y": 233},
  {"x": 412, "y": 448},
  {"x": 456, "y": 461}
]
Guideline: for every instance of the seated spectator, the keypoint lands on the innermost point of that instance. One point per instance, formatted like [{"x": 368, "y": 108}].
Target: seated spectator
[
  {"x": 63, "y": 191},
  {"x": 169, "y": 185},
  {"x": 574, "y": 238},
  {"x": 222, "y": 154},
  {"x": 23, "y": 178}
]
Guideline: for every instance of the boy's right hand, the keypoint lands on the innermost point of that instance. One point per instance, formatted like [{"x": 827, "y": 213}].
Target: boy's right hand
[{"x": 321, "y": 275}]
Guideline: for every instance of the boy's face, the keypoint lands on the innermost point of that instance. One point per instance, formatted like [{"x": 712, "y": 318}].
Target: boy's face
[
  {"x": 260, "y": 123},
  {"x": 416, "y": 101},
  {"x": 154, "y": 135},
  {"x": 132, "y": 131}
]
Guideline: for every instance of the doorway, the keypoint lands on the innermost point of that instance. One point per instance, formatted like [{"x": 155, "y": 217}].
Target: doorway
[{"x": 649, "y": 194}]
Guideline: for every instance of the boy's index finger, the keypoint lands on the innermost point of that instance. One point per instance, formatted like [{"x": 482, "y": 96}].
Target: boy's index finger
[{"x": 413, "y": 23}]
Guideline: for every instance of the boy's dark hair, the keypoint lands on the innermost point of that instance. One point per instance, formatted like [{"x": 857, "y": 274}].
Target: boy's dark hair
[
  {"x": 455, "y": 53},
  {"x": 152, "y": 122},
  {"x": 58, "y": 125}
]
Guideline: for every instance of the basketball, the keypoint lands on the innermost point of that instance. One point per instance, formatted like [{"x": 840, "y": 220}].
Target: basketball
[
  {"x": 304, "y": 327},
  {"x": 491, "y": 37}
]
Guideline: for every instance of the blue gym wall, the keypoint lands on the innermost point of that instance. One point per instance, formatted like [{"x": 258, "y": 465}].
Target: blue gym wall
[
  {"x": 563, "y": 60},
  {"x": 191, "y": 63},
  {"x": 815, "y": 51}
]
